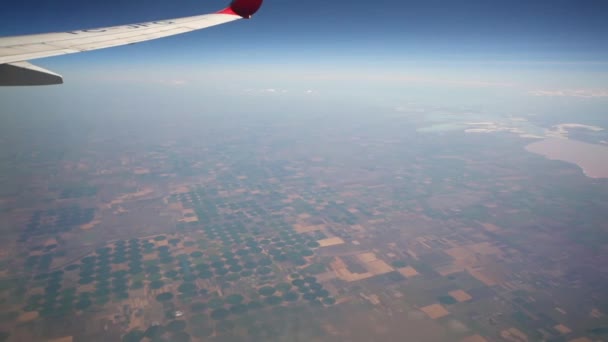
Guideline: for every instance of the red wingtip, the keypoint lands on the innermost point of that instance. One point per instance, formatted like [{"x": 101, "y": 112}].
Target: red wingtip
[{"x": 243, "y": 8}]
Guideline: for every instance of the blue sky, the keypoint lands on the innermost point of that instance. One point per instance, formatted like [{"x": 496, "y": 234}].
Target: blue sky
[
  {"x": 554, "y": 50},
  {"x": 554, "y": 30}
]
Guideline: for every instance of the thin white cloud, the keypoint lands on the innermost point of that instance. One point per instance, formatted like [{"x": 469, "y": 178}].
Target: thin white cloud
[
  {"x": 177, "y": 82},
  {"x": 266, "y": 91},
  {"x": 384, "y": 77},
  {"x": 580, "y": 93}
]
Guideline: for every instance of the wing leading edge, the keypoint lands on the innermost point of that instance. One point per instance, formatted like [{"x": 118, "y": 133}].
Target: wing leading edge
[{"x": 15, "y": 51}]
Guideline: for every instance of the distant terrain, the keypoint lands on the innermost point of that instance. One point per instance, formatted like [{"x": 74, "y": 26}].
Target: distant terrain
[{"x": 322, "y": 227}]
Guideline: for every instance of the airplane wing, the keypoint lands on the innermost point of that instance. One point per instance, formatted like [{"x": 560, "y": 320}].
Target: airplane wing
[{"x": 16, "y": 51}]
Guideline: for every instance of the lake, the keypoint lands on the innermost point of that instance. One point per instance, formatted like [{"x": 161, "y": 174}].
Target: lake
[{"x": 592, "y": 158}]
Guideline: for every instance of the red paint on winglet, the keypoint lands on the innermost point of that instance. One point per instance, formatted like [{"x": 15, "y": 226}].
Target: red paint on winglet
[
  {"x": 227, "y": 10},
  {"x": 243, "y": 8}
]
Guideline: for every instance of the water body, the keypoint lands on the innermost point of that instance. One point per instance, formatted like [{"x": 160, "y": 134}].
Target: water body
[{"x": 592, "y": 158}]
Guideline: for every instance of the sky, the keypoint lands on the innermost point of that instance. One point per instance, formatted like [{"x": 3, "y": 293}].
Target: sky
[
  {"x": 516, "y": 30},
  {"x": 389, "y": 51}
]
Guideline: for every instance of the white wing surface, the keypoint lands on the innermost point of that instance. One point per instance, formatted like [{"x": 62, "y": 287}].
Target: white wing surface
[{"x": 15, "y": 51}]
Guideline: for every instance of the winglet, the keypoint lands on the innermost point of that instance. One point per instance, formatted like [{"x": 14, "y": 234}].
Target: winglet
[{"x": 243, "y": 8}]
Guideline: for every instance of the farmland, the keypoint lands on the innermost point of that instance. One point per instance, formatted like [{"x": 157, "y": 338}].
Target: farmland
[{"x": 354, "y": 232}]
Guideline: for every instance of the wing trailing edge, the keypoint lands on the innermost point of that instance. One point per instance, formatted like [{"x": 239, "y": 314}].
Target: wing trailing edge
[{"x": 26, "y": 74}]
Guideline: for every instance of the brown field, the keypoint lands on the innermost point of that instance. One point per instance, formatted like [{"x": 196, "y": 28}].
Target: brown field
[
  {"x": 374, "y": 265},
  {"x": 189, "y": 219},
  {"x": 482, "y": 276},
  {"x": 51, "y": 241},
  {"x": 120, "y": 210},
  {"x": 408, "y": 272},
  {"x": 90, "y": 225},
  {"x": 449, "y": 269},
  {"x": 562, "y": 329},
  {"x": 492, "y": 228},
  {"x": 326, "y": 276},
  {"x": 119, "y": 267},
  {"x": 378, "y": 267},
  {"x": 344, "y": 273},
  {"x": 161, "y": 243},
  {"x": 474, "y": 257},
  {"x": 469, "y": 251},
  {"x": 374, "y": 299},
  {"x": 86, "y": 288},
  {"x": 460, "y": 295},
  {"x": 188, "y": 215},
  {"x": 188, "y": 212},
  {"x": 331, "y": 242},
  {"x": 435, "y": 311},
  {"x": 27, "y": 317},
  {"x": 474, "y": 338},
  {"x": 412, "y": 254},
  {"x": 141, "y": 171},
  {"x": 62, "y": 339},
  {"x": 514, "y": 335},
  {"x": 367, "y": 257},
  {"x": 357, "y": 228},
  {"x": 145, "y": 191},
  {"x": 301, "y": 228},
  {"x": 182, "y": 189},
  {"x": 149, "y": 257}
]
